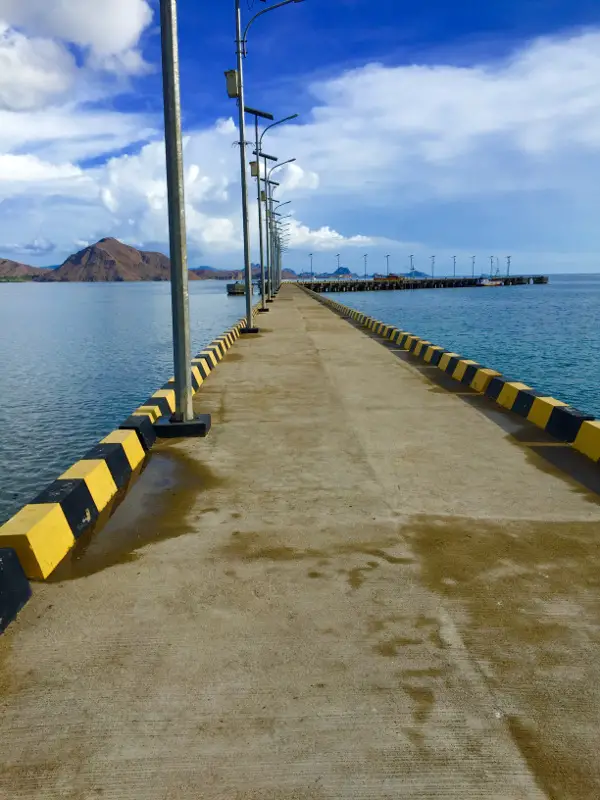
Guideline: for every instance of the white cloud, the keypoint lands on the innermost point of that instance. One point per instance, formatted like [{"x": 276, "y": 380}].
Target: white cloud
[
  {"x": 33, "y": 71},
  {"x": 110, "y": 29},
  {"x": 378, "y": 142}
]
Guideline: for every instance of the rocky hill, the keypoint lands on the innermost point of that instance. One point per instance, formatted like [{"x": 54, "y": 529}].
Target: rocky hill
[
  {"x": 111, "y": 260},
  {"x": 16, "y": 271}
]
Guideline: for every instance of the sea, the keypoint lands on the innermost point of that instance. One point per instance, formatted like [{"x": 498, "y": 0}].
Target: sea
[{"x": 77, "y": 358}]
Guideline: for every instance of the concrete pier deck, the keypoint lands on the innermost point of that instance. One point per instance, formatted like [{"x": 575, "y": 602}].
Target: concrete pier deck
[{"x": 359, "y": 586}]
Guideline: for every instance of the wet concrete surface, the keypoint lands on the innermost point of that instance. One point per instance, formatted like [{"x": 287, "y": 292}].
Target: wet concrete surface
[{"x": 355, "y": 587}]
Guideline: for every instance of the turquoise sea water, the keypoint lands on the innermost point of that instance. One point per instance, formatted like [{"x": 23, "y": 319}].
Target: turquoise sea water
[
  {"x": 76, "y": 359},
  {"x": 546, "y": 336}
]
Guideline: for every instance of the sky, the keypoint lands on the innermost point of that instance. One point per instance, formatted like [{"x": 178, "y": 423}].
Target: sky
[{"x": 454, "y": 129}]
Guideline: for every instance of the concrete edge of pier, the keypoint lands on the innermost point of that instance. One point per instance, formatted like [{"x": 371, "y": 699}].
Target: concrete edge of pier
[
  {"x": 558, "y": 419},
  {"x": 35, "y": 540}
]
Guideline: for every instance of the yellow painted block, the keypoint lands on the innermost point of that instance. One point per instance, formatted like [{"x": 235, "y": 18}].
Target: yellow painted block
[
  {"x": 41, "y": 536},
  {"x": 461, "y": 368},
  {"x": 130, "y": 442},
  {"x": 482, "y": 379},
  {"x": 509, "y": 393},
  {"x": 542, "y": 408},
  {"x": 445, "y": 360},
  {"x": 588, "y": 440},
  {"x": 151, "y": 412},
  {"x": 420, "y": 345},
  {"x": 98, "y": 480},
  {"x": 430, "y": 351},
  {"x": 197, "y": 375},
  {"x": 210, "y": 357},
  {"x": 409, "y": 340},
  {"x": 169, "y": 395},
  {"x": 204, "y": 362}
]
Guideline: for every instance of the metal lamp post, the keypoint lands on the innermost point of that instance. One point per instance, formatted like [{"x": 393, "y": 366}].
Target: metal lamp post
[
  {"x": 473, "y": 266},
  {"x": 312, "y": 277},
  {"x": 454, "y": 260},
  {"x": 176, "y": 203},
  {"x": 387, "y": 260},
  {"x": 412, "y": 269},
  {"x": 508, "y": 260},
  {"x": 236, "y": 89},
  {"x": 270, "y": 211},
  {"x": 255, "y": 166},
  {"x": 365, "y": 258},
  {"x": 432, "y": 266}
]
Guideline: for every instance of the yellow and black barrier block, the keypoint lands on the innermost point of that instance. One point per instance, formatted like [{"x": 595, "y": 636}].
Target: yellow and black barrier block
[{"x": 15, "y": 589}]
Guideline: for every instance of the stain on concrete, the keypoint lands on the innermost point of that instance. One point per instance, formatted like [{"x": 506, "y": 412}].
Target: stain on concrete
[
  {"x": 156, "y": 508},
  {"x": 527, "y": 599}
]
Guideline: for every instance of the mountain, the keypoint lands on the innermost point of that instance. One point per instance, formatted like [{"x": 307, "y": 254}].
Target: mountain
[
  {"x": 17, "y": 271},
  {"x": 111, "y": 260}
]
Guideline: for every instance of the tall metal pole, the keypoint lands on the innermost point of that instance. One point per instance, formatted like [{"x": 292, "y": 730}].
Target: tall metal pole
[
  {"x": 263, "y": 307},
  {"x": 312, "y": 277},
  {"x": 473, "y": 266},
  {"x": 176, "y": 202},
  {"x": 366, "y": 256},
  {"x": 267, "y": 236},
  {"x": 491, "y": 266},
  {"x": 454, "y": 258},
  {"x": 244, "y": 177},
  {"x": 411, "y": 264},
  {"x": 387, "y": 258},
  {"x": 338, "y": 260},
  {"x": 508, "y": 259},
  {"x": 432, "y": 266}
]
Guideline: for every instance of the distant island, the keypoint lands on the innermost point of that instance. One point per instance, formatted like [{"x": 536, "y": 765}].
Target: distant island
[{"x": 109, "y": 260}]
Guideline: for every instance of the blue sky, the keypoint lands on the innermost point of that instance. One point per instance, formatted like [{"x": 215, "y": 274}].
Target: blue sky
[{"x": 466, "y": 128}]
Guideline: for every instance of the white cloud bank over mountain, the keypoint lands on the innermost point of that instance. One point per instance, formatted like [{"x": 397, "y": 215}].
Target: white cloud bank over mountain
[{"x": 379, "y": 144}]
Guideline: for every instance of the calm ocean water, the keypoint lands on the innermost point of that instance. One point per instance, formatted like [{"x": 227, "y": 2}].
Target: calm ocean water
[
  {"x": 546, "y": 336},
  {"x": 76, "y": 359}
]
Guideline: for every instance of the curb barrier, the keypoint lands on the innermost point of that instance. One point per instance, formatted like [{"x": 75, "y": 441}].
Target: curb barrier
[
  {"x": 15, "y": 589},
  {"x": 558, "y": 419},
  {"x": 39, "y": 536}
]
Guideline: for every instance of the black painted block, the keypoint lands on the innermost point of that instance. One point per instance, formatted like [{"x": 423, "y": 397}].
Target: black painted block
[
  {"x": 565, "y": 422},
  {"x": 195, "y": 386},
  {"x": 15, "y": 589},
  {"x": 470, "y": 373},
  {"x": 161, "y": 402},
  {"x": 495, "y": 386},
  {"x": 204, "y": 368},
  {"x": 524, "y": 401},
  {"x": 116, "y": 461},
  {"x": 413, "y": 345},
  {"x": 451, "y": 365},
  {"x": 436, "y": 357},
  {"x": 143, "y": 427},
  {"x": 76, "y": 502}
]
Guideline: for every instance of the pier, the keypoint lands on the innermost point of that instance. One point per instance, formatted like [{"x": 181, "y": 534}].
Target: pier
[
  {"x": 403, "y": 284},
  {"x": 368, "y": 581}
]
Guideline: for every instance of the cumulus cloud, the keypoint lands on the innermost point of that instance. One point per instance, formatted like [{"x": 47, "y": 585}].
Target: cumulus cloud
[
  {"x": 379, "y": 143},
  {"x": 110, "y": 30},
  {"x": 33, "y": 71}
]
